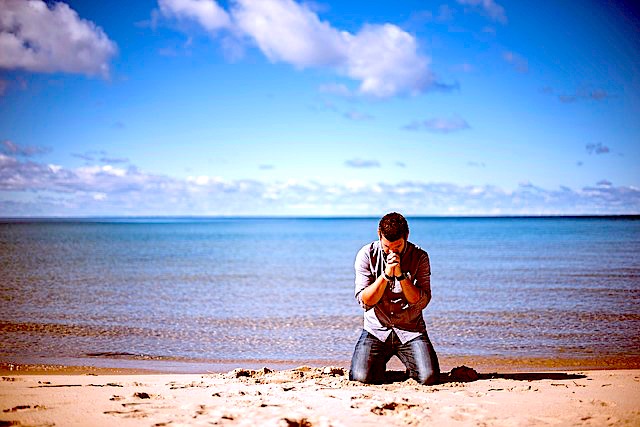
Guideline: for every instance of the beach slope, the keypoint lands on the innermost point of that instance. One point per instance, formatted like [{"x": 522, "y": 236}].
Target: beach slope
[{"x": 320, "y": 397}]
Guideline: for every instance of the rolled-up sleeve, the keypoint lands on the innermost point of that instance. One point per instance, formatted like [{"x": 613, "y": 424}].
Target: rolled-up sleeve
[
  {"x": 422, "y": 280},
  {"x": 364, "y": 275}
]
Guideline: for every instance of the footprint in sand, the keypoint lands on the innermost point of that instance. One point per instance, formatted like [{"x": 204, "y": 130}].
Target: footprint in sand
[
  {"x": 602, "y": 403},
  {"x": 23, "y": 408},
  {"x": 361, "y": 396},
  {"x": 391, "y": 408},
  {"x": 295, "y": 422},
  {"x": 407, "y": 412},
  {"x": 134, "y": 413},
  {"x": 463, "y": 413}
]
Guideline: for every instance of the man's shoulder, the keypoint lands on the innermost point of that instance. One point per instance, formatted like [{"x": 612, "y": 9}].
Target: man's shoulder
[
  {"x": 416, "y": 250},
  {"x": 367, "y": 249}
]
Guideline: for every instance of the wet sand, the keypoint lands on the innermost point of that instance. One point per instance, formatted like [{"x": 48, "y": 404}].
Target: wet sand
[
  {"x": 128, "y": 365},
  {"x": 306, "y": 396}
]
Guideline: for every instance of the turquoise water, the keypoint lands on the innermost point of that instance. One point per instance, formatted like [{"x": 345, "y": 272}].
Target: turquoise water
[{"x": 282, "y": 289}]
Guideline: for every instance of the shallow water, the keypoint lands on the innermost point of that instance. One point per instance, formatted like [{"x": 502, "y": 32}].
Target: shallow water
[{"x": 282, "y": 289}]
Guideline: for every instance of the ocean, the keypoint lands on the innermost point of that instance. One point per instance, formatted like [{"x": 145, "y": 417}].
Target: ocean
[{"x": 206, "y": 291}]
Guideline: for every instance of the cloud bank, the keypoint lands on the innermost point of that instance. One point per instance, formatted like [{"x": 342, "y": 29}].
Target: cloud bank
[
  {"x": 29, "y": 188},
  {"x": 383, "y": 59},
  {"x": 36, "y": 37}
]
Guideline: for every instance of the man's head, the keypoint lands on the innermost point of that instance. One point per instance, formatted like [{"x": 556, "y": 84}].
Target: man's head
[{"x": 393, "y": 231}]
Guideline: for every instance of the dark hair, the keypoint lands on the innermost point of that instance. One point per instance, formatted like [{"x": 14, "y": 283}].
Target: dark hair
[{"x": 393, "y": 226}]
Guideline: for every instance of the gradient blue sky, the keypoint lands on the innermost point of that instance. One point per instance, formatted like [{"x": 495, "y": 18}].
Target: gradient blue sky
[{"x": 277, "y": 107}]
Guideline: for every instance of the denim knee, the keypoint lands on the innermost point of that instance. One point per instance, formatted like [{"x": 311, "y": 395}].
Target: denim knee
[
  {"x": 360, "y": 376},
  {"x": 429, "y": 377},
  {"x": 364, "y": 361},
  {"x": 422, "y": 361}
]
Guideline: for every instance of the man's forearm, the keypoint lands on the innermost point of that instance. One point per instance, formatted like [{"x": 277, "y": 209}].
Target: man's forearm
[
  {"x": 372, "y": 293},
  {"x": 410, "y": 291}
]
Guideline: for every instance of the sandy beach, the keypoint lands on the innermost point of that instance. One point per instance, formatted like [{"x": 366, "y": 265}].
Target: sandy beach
[{"x": 313, "y": 396}]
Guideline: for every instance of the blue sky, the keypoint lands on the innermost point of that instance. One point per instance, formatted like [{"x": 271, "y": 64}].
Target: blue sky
[{"x": 281, "y": 107}]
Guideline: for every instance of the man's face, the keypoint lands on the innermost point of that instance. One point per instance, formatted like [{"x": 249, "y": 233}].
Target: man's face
[{"x": 396, "y": 246}]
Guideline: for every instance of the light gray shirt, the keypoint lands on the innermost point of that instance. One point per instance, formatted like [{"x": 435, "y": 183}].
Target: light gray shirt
[{"x": 393, "y": 312}]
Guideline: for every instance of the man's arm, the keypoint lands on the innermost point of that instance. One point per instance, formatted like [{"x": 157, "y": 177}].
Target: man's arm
[
  {"x": 411, "y": 292},
  {"x": 369, "y": 289},
  {"x": 417, "y": 289},
  {"x": 372, "y": 293}
]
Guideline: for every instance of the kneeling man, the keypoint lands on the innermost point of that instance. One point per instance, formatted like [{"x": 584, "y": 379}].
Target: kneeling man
[{"x": 393, "y": 287}]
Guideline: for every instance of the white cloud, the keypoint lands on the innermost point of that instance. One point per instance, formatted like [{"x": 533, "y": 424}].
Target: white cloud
[
  {"x": 202, "y": 180},
  {"x": 581, "y": 94},
  {"x": 29, "y": 188},
  {"x": 37, "y": 38},
  {"x": 598, "y": 148},
  {"x": 6, "y": 160},
  {"x": 489, "y": 7},
  {"x": 440, "y": 125},
  {"x": 355, "y": 186},
  {"x": 207, "y": 13},
  {"x": 287, "y": 31},
  {"x": 384, "y": 59},
  {"x": 54, "y": 168},
  {"x": 360, "y": 163},
  {"x": 113, "y": 171},
  {"x": 11, "y": 148}
]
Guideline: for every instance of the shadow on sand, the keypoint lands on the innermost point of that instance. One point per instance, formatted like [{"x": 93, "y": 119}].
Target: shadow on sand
[
  {"x": 466, "y": 374},
  {"x": 533, "y": 376}
]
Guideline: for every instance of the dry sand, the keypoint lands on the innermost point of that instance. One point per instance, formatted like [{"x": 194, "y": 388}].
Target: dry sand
[{"x": 320, "y": 397}]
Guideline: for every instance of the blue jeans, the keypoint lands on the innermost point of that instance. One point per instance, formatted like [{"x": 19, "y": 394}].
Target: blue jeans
[{"x": 371, "y": 355}]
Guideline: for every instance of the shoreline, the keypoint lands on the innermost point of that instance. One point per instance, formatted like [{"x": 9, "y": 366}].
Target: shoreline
[
  {"x": 314, "y": 397},
  {"x": 132, "y": 366}
]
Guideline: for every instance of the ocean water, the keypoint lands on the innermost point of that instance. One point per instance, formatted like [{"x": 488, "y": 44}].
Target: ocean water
[{"x": 227, "y": 290}]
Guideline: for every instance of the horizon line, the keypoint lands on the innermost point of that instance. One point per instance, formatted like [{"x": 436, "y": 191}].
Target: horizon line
[{"x": 210, "y": 217}]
